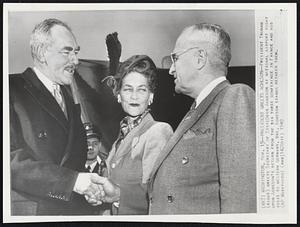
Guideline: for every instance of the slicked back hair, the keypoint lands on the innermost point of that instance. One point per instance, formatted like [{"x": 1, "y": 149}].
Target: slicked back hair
[{"x": 41, "y": 39}]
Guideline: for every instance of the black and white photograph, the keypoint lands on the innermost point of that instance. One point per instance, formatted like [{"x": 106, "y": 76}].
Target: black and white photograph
[{"x": 148, "y": 111}]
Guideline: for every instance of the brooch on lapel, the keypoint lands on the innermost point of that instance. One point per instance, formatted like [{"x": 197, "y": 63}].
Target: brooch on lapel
[{"x": 134, "y": 142}]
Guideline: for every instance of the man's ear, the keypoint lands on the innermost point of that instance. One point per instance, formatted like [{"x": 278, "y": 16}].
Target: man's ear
[
  {"x": 201, "y": 58},
  {"x": 41, "y": 55}
]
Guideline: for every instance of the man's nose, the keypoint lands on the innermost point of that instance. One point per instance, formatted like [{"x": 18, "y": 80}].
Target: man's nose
[
  {"x": 172, "y": 69},
  {"x": 74, "y": 59},
  {"x": 90, "y": 148}
]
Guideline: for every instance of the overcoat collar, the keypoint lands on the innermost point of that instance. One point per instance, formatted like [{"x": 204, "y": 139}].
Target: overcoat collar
[
  {"x": 42, "y": 95},
  {"x": 188, "y": 121}
]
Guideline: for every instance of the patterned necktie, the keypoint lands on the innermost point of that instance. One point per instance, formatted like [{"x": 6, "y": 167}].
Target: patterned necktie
[
  {"x": 59, "y": 98},
  {"x": 189, "y": 113}
]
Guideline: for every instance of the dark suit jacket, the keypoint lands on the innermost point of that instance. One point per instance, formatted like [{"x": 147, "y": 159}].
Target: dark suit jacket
[
  {"x": 208, "y": 165},
  {"x": 47, "y": 150}
]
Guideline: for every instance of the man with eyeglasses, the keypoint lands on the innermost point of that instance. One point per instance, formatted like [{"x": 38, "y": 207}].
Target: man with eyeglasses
[
  {"x": 208, "y": 165},
  {"x": 47, "y": 138}
]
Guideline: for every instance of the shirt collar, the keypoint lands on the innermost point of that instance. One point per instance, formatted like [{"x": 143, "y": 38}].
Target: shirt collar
[
  {"x": 98, "y": 160},
  {"x": 208, "y": 88},
  {"x": 45, "y": 80}
]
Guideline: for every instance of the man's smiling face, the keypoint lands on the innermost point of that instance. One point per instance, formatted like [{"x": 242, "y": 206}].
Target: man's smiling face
[{"x": 61, "y": 56}]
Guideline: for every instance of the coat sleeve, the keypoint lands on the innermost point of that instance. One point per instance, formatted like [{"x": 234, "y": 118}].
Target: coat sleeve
[
  {"x": 157, "y": 137},
  {"x": 236, "y": 150},
  {"x": 31, "y": 175}
]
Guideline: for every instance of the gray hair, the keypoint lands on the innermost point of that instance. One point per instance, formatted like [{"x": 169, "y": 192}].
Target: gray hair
[
  {"x": 40, "y": 38},
  {"x": 216, "y": 38}
]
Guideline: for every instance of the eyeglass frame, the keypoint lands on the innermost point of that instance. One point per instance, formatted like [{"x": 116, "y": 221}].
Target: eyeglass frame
[{"x": 174, "y": 56}]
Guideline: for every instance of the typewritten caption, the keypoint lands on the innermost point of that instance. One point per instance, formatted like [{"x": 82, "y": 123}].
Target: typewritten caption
[{"x": 272, "y": 156}]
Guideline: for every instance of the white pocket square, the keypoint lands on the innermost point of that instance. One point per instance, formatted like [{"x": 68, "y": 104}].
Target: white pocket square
[
  {"x": 198, "y": 133},
  {"x": 189, "y": 134}
]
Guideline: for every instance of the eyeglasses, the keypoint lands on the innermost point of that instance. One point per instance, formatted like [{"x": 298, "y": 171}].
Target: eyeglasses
[{"x": 175, "y": 56}]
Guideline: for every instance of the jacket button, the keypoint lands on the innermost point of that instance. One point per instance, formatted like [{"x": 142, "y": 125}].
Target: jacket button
[
  {"x": 185, "y": 160},
  {"x": 42, "y": 135},
  {"x": 170, "y": 199},
  {"x": 113, "y": 165}
]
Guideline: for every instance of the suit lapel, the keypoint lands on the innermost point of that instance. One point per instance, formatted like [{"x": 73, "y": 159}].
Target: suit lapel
[
  {"x": 126, "y": 144},
  {"x": 188, "y": 121},
  {"x": 96, "y": 168},
  {"x": 73, "y": 110},
  {"x": 45, "y": 99}
]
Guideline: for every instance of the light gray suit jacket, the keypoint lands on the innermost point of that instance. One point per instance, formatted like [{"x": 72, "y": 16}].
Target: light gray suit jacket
[
  {"x": 208, "y": 165},
  {"x": 131, "y": 165}
]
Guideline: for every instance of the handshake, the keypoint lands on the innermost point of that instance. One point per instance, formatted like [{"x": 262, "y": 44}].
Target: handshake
[{"x": 96, "y": 189}]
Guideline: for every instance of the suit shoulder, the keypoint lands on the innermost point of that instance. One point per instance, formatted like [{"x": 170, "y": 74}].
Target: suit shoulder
[
  {"x": 235, "y": 91},
  {"x": 16, "y": 80},
  {"x": 240, "y": 88},
  {"x": 238, "y": 96},
  {"x": 161, "y": 129},
  {"x": 21, "y": 76},
  {"x": 16, "y": 77},
  {"x": 159, "y": 125}
]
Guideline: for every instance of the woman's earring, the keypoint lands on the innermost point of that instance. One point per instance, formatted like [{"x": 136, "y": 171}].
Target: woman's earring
[{"x": 119, "y": 99}]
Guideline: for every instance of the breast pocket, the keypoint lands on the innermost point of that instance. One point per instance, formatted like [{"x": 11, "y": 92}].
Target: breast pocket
[
  {"x": 198, "y": 157},
  {"x": 198, "y": 140}
]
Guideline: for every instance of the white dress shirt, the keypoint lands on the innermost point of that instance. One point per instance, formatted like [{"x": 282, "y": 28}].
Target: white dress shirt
[
  {"x": 208, "y": 89},
  {"x": 98, "y": 160},
  {"x": 45, "y": 80},
  {"x": 54, "y": 89}
]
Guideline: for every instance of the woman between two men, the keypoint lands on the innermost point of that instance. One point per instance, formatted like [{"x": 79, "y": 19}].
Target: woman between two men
[{"x": 141, "y": 138}]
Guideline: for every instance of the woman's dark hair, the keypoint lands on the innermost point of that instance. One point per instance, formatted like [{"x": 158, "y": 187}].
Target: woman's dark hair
[{"x": 137, "y": 63}]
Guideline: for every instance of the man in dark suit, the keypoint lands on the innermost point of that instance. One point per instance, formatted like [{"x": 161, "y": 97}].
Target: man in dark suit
[
  {"x": 208, "y": 166},
  {"x": 47, "y": 138}
]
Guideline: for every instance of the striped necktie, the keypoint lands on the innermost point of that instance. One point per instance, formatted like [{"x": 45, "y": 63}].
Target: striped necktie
[{"x": 59, "y": 98}]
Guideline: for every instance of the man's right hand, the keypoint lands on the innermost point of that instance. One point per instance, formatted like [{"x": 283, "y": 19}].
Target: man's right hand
[
  {"x": 86, "y": 184},
  {"x": 111, "y": 190}
]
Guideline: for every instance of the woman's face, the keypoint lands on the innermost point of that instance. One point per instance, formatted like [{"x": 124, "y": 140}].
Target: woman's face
[{"x": 134, "y": 94}]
